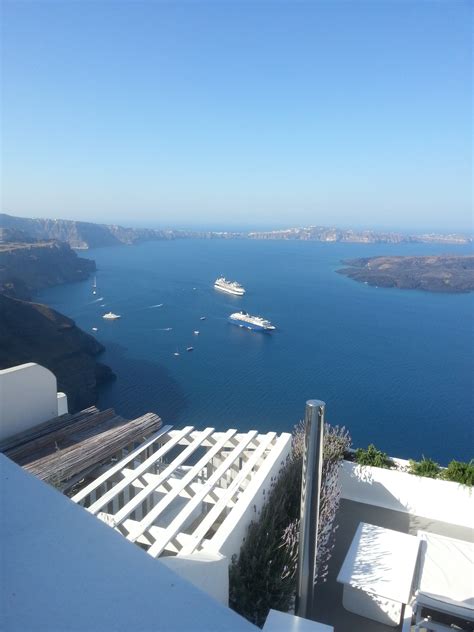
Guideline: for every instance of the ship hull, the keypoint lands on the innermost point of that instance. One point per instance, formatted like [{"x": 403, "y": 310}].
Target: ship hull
[
  {"x": 230, "y": 291},
  {"x": 252, "y": 326}
]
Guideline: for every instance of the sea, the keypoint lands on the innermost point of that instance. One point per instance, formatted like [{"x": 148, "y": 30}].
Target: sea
[{"x": 395, "y": 367}]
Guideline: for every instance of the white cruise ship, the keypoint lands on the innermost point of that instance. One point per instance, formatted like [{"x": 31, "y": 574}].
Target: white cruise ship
[
  {"x": 242, "y": 319},
  {"x": 231, "y": 287},
  {"x": 111, "y": 316}
]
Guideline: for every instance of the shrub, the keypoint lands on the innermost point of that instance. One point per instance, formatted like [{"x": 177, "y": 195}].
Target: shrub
[
  {"x": 374, "y": 457},
  {"x": 263, "y": 576},
  {"x": 425, "y": 467},
  {"x": 460, "y": 472}
]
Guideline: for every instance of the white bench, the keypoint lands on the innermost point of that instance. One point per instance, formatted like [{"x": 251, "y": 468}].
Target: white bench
[{"x": 377, "y": 573}]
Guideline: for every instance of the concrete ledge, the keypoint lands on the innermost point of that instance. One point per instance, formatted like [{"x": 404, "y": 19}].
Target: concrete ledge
[{"x": 391, "y": 489}]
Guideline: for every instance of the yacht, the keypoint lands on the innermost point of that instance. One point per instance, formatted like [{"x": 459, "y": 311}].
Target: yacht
[{"x": 111, "y": 316}]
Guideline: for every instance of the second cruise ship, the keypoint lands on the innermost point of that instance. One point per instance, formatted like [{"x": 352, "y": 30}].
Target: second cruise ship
[
  {"x": 242, "y": 319},
  {"x": 231, "y": 287}
]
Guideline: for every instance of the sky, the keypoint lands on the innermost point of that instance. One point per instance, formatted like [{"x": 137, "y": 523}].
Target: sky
[{"x": 239, "y": 113}]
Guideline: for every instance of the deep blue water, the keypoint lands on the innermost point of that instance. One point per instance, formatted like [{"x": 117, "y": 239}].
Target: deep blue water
[{"x": 395, "y": 367}]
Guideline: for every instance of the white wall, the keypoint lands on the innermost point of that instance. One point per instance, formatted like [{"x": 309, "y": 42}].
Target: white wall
[
  {"x": 208, "y": 572},
  {"x": 232, "y": 531},
  {"x": 400, "y": 491},
  {"x": 28, "y": 396},
  {"x": 66, "y": 570},
  {"x": 62, "y": 404}
]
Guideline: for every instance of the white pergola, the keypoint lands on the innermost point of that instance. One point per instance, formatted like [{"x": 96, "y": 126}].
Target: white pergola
[{"x": 187, "y": 491}]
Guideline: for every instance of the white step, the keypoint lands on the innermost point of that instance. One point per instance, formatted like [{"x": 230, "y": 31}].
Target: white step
[{"x": 284, "y": 622}]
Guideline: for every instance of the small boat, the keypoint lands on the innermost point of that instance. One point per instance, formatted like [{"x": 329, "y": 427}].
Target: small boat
[
  {"x": 202, "y": 318},
  {"x": 111, "y": 316},
  {"x": 196, "y": 332},
  {"x": 94, "y": 286},
  {"x": 176, "y": 353},
  {"x": 94, "y": 329},
  {"x": 189, "y": 348}
]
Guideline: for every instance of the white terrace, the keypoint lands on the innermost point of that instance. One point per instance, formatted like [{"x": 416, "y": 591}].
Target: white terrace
[
  {"x": 186, "y": 497},
  {"x": 186, "y": 491}
]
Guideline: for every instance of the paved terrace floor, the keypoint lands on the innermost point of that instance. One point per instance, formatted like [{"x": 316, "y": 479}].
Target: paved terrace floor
[{"x": 328, "y": 606}]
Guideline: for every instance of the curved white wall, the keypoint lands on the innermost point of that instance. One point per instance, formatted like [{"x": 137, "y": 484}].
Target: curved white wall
[{"x": 28, "y": 396}]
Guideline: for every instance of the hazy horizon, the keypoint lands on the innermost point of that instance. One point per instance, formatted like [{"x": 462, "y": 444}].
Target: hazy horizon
[
  {"x": 219, "y": 226},
  {"x": 259, "y": 115}
]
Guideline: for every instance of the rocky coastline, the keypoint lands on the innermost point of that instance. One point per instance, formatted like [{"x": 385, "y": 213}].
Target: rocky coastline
[{"x": 31, "y": 332}]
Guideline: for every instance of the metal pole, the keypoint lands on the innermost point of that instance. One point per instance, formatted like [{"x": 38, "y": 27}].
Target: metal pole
[{"x": 310, "y": 497}]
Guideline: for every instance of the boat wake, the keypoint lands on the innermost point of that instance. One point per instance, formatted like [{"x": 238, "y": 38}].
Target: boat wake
[{"x": 158, "y": 305}]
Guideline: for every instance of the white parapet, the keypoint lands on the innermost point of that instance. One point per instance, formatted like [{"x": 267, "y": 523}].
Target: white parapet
[
  {"x": 28, "y": 396},
  {"x": 286, "y": 622},
  {"x": 400, "y": 491},
  {"x": 64, "y": 570}
]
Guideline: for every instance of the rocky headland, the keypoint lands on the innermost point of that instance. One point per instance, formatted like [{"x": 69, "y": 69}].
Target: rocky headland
[
  {"x": 444, "y": 273},
  {"x": 80, "y": 235},
  {"x": 28, "y": 267},
  {"x": 31, "y": 332}
]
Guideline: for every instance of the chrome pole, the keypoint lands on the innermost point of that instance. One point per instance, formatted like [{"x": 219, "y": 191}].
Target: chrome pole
[{"x": 310, "y": 498}]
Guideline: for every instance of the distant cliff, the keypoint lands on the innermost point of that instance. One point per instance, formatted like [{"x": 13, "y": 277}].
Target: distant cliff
[
  {"x": 330, "y": 235},
  {"x": 82, "y": 235},
  {"x": 28, "y": 267},
  {"x": 30, "y": 332},
  {"x": 431, "y": 274}
]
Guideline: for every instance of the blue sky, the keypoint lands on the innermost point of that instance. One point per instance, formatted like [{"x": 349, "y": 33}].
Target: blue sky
[{"x": 239, "y": 113}]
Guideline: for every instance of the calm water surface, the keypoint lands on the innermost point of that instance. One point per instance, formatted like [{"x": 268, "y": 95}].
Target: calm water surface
[{"x": 395, "y": 367}]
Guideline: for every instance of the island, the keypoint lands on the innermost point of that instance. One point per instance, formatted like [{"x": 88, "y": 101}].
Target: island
[
  {"x": 83, "y": 235},
  {"x": 442, "y": 273}
]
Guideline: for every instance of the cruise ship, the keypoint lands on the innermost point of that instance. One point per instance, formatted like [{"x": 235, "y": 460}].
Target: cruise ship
[
  {"x": 231, "y": 287},
  {"x": 242, "y": 319}
]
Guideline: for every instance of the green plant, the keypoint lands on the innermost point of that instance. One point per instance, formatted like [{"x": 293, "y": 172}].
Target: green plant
[
  {"x": 460, "y": 472},
  {"x": 374, "y": 457},
  {"x": 263, "y": 576},
  {"x": 425, "y": 467}
]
